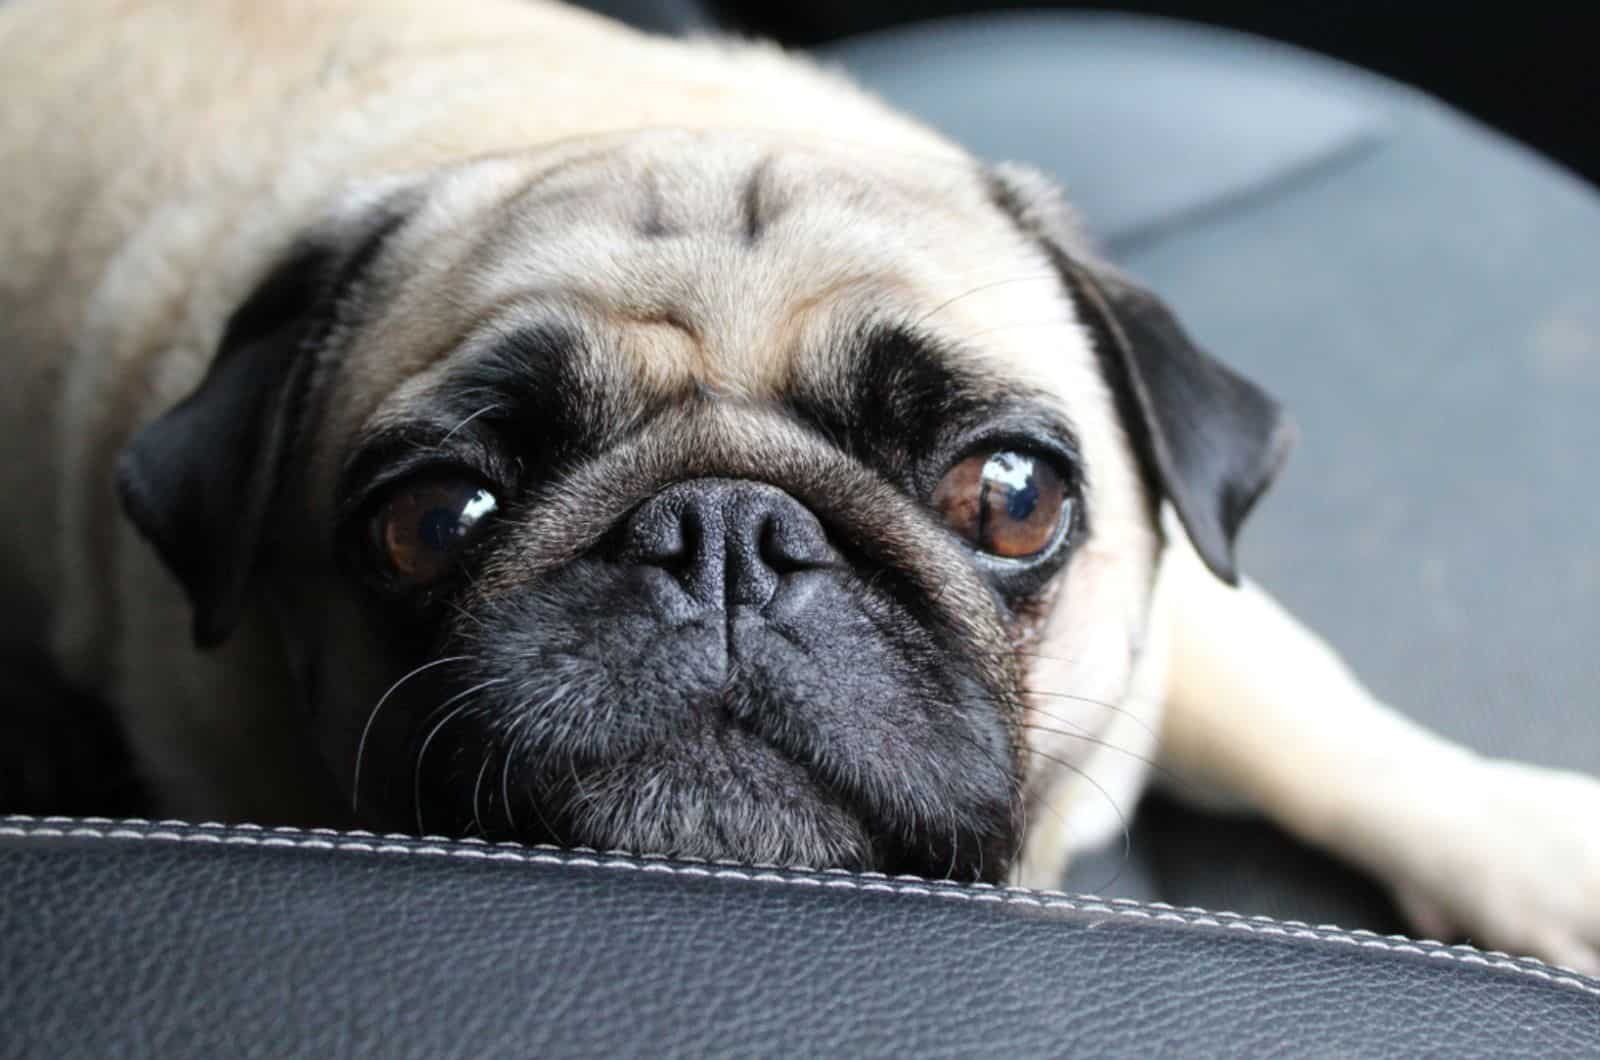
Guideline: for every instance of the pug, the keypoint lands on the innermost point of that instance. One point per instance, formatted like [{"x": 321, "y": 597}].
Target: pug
[{"x": 483, "y": 419}]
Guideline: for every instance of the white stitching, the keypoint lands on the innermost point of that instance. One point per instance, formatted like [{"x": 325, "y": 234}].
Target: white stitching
[
  {"x": 199, "y": 832},
  {"x": 327, "y": 839}
]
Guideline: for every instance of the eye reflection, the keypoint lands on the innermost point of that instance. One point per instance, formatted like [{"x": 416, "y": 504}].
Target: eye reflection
[
  {"x": 1006, "y": 503},
  {"x": 424, "y": 525}
]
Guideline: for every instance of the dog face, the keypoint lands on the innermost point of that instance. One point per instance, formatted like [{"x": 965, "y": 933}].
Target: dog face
[{"x": 694, "y": 494}]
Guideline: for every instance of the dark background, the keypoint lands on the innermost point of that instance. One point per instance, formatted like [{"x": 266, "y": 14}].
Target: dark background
[{"x": 1527, "y": 69}]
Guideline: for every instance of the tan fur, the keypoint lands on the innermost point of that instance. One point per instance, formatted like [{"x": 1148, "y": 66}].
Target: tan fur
[
  {"x": 188, "y": 172},
  {"x": 156, "y": 154}
]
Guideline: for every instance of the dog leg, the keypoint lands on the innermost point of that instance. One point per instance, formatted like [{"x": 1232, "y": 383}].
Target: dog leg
[{"x": 1506, "y": 853}]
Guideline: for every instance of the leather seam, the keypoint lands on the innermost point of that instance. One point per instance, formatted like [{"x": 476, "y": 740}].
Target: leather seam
[
  {"x": 1263, "y": 190},
  {"x": 24, "y": 827}
]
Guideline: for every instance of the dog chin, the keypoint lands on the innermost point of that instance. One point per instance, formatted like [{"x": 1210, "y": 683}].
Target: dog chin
[
  {"x": 708, "y": 789},
  {"x": 715, "y": 793},
  {"x": 732, "y": 797}
]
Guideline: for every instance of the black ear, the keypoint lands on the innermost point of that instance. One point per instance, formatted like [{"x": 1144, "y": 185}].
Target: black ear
[
  {"x": 200, "y": 480},
  {"x": 1211, "y": 438}
]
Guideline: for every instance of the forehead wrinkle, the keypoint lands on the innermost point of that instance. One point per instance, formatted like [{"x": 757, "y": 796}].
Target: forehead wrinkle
[
  {"x": 440, "y": 301},
  {"x": 738, "y": 317},
  {"x": 698, "y": 310},
  {"x": 640, "y": 354},
  {"x": 662, "y": 342},
  {"x": 476, "y": 341},
  {"x": 544, "y": 189}
]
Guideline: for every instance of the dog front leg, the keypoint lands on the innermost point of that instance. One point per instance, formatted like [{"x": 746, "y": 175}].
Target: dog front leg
[{"x": 1259, "y": 706}]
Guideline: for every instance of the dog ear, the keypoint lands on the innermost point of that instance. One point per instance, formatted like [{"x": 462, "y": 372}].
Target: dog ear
[
  {"x": 1210, "y": 438},
  {"x": 199, "y": 480}
]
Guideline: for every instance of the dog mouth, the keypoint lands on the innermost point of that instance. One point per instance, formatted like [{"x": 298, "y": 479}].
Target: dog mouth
[
  {"x": 749, "y": 771},
  {"x": 714, "y": 790},
  {"x": 724, "y": 793}
]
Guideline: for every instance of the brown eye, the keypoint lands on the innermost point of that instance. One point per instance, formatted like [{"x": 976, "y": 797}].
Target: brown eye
[
  {"x": 1004, "y": 503},
  {"x": 421, "y": 528}
]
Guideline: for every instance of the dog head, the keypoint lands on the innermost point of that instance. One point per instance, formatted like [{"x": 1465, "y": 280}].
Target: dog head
[{"x": 695, "y": 494}]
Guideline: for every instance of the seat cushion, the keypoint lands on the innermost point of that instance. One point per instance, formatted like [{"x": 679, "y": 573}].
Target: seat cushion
[
  {"x": 172, "y": 940},
  {"x": 1424, "y": 296},
  {"x": 655, "y": 16},
  {"x": 1147, "y": 122}
]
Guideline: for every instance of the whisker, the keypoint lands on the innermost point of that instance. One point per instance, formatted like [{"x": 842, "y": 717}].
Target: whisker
[
  {"x": 416, "y": 773},
  {"x": 517, "y": 736},
  {"x": 975, "y": 335},
  {"x": 1023, "y": 653},
  {"x": 454, "y": 430},
  {"x": 1036, "y": 277},
  {"x": 468, "y": 615},
  {"x": 477, "y": 795},
  {"x": 1122, "y": 820},
  {"x": 505, "y": 775},
  {"x": 361, "y": 748},
  {"x": 1115, "y": 708},
  {"x": 955, "y": 845},
  {"x": 1155, "y": 766}
]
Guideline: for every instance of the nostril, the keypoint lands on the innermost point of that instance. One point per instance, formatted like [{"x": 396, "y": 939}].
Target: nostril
[
  {"x": 791, "y": 541},
  {"x": 665, "y": 535},
  {"x": 689, "y": 537},
  {"x": 723, "y": 542},
  {"x": 772, "y": 547}
]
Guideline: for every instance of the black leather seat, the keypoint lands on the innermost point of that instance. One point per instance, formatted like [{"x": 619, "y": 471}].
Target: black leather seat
[
  {"x": 1419, "y": 293},
  {"x": 178, "y": 941}
]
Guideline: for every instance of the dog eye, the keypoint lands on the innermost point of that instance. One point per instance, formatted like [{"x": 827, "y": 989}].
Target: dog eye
[
  {"x": 421, "y": 528},
  {"x": 1004, "y": 503}
]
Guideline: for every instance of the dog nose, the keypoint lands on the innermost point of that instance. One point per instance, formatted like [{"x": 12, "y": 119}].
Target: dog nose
[{"x": 726, "y": 541}]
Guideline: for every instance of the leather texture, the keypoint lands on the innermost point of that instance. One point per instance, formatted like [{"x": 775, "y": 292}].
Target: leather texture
[
  {"x": 181, "y": 941},
  {"x": 656, "y": 16},
  {"x": 1147, "y": 122}
]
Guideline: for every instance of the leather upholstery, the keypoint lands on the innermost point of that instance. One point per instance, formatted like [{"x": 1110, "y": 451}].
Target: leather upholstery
[
  {"x": 656, "y": 16},
  {"x": 180, "y": 940},
  {"x": 1148, "y": 123}
]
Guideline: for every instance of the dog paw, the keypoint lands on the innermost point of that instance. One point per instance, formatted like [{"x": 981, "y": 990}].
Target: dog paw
[{"x": 1514, "y": 867}]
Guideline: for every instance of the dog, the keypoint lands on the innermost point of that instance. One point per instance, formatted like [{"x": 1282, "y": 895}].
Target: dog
[{"x": 484, "y": 419}]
